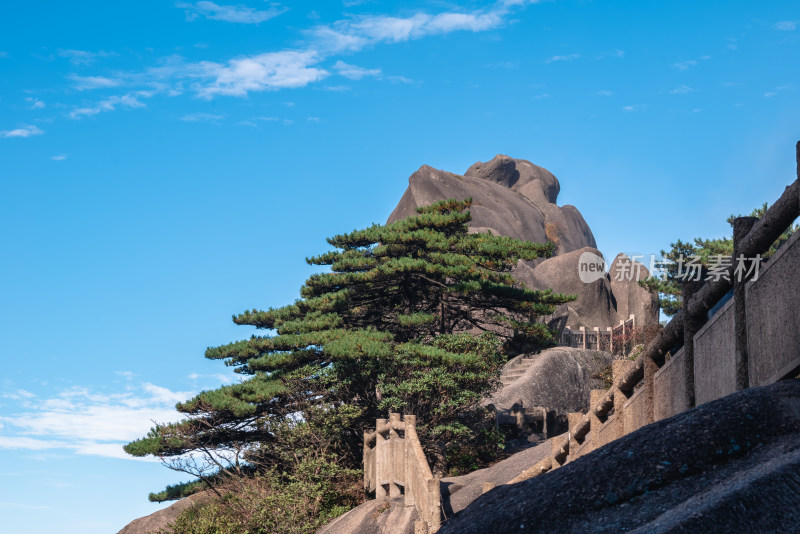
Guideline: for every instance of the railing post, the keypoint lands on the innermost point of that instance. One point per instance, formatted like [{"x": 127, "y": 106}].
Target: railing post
[
  {"x": 380, "y": 465},
  {"x": 741, "y": 226},
  {"x": 595, "y": 396},
  {"x": 411, "y": 423},
  {"x": 691, "y": 325},
  {"x": 574, "y": 419},
  {"x": 394, "y": 490},
  {"x": 618, "y": 369},
  {"x": 650, "y": 368}
]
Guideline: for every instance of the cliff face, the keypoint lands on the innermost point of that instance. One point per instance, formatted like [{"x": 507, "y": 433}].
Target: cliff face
[{"x": 515, "y": 198}]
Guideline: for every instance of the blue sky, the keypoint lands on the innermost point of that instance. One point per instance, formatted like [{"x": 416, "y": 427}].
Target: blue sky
[{"x": 165, "y": 165}]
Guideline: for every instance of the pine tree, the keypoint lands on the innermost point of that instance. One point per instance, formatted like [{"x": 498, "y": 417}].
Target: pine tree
[
  {"x": 414, "y": 316},
  {"x": 669, "y": 285}
]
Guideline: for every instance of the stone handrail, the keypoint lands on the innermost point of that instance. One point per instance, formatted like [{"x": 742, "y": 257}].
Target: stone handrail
[
  {"x": 631, "y": 401},
  {"x": 394, "y": 459}
]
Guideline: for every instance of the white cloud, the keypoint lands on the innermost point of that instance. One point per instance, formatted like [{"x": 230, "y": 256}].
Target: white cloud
[
  {"x": 357, "y": 33},
  {"x": 682, "y": 90},
  {"x": 238, "y": 13},
  {"x": 269, "y": 71},
  {"x": 354, "y": 72},
  {"x": 90, "y": 423},
  {"x": 18, "y": 395},
  {"x": 568, "y": 57},
  {"x": 84, "y": 83},
  {"x": 604, "y": 93},
  {"x": 129, "y": 101},
  {"x": 288, "y": 68},
  {"x": 24, "y": 131},
  {"x": 83, "y": 57},
  {"x": 35, "y": 103},
  {"x": 786, "y": 26},
  {"x": 684, "y": 65},
  {"x": 634, "y": 108},
  {"x": 59, "y": 157},
  {"x": 202, "y": 117}
]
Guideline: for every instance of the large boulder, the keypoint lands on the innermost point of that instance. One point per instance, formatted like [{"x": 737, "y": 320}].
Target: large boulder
[
  {"x": 510, "y": 197},
  {"x": 375, "y": 517},
  {"x": 595, "y": 305},
  {"x": 558, "y": 379}
]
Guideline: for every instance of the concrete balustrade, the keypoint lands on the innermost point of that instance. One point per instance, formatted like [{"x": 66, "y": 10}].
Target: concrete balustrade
[{"x": 395, "y": 465}]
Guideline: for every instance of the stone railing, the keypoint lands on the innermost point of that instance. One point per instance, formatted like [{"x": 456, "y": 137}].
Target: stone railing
[
  {"x": 730, "y": 334},
  {"x": 395, "y": 465},
  {"x": 595, "y": 338}
]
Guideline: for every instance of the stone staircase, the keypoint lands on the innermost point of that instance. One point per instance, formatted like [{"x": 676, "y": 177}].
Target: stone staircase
[{"x": 515, "y": 369}]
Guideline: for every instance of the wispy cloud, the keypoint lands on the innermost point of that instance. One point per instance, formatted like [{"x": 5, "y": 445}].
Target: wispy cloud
[
  {"x": 59, "y": 157},
  {"x": 83, "y": 57},
  {"x": 129, "y": 101},
  {"x": 682, "y": 90},
  {"x": 354, "y": 72},
  {"x": 202, "y": 117},
  {"x": 778, "y": 90},
  {"x": 297, "y": 67},
  {"x": 568, "y": 57},
  {"x": 35, "y": 103},
  {"x": 686, "y": 65},
  {"x": 268, "y": 71},
  {"x": 238, "y": 13},
  {"x": 86, "y": 83},
  {"x": 357, "y": 33},
  {"x": 88, "y": 422},
  {"x": 786, "y": 25},
  {"x": 23, "y": 131},
  {"x": 634, "y": 108}
]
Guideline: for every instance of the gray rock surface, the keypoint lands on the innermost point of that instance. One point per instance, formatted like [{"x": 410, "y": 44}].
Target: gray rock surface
[
  {"x": 373, "y": 517},
  {"x": 631, "y": 298},
  {"x": 731, "y": 465},
  {"x": 559, "y": 379},
  {"x": 511, "y": 197},
  {"x": 595, "y": 306},
  {"x": 152, "y": 523}
]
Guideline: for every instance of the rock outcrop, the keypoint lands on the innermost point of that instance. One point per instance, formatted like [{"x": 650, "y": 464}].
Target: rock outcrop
[
  {"x": 515, "y": 198},
  {"x": 156, "y": 521},
  {"x": 558, "y": 379},
  {"x": 511, "y": 197},
  {"x": 731, "y": 465}
]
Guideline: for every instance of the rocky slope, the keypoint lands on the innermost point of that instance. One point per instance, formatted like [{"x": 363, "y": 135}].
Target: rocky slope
[{"x": 732, "y": 465}]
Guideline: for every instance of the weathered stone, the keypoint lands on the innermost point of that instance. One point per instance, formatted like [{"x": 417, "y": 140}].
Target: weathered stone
[
  {"x": 630, "y": 297},
  {"x": 730, "y": 465},
  {"x": 558, "y": 379},
  {"x": 595, "y": 303},
  {"x": 510, "y": 197}
]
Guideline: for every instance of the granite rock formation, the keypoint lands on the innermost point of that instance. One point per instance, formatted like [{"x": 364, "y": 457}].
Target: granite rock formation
[
  {"x": 515, "y": 198},
  {"x": 511, "y": 197}
]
